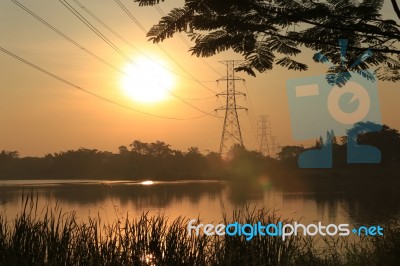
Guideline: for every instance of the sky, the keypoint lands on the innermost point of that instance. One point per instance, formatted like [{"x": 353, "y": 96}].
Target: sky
[{"x": 40, "y": 114}]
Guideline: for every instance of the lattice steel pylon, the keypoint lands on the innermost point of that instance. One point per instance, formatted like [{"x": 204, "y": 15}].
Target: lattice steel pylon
[
  {"x": 265, "y": 131},
  {"x": 231, "y": 132},
  {"x": 274, "y": 146}
]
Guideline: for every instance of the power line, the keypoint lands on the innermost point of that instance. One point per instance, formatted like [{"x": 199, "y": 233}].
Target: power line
[
  {"x": 95, "y": 30},
  {"x": 197, "y": 99},
  {"x": 162, "y": 13},
  {"x": 275, "y": 146},
  {"x": 251, "y": 114},
  {"x": 131, "y": 16},
  {"x": 94, "y": 55},
  {"x": 66, "y": 37},
  {"x": 136, "y": 49},
  {"x": 265, "y": 131},
  {"x": 85, "y": 90},
  {"x": 249, "y": 101},
  {"x": 231, "y": 132},
  {"x": 122, "y": 38},
  {"x": 137, "y": 22},
  {"x": 119, "y": 51}
]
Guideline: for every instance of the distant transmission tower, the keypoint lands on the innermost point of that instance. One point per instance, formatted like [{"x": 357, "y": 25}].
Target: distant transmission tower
[
  {"x": 276, "y": 148},
  {"x": 231, "y": 132},
  {"x": 264, "y": 127}
]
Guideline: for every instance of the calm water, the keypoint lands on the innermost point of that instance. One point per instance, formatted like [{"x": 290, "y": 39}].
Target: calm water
[{"x": 205, "y": 199}]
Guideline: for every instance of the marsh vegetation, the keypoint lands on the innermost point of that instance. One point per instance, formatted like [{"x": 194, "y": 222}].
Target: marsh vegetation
[{"x": 52, "y": 237}]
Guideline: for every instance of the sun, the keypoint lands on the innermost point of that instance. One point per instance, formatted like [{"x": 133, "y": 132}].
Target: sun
[{"x": 147, "y": 81}]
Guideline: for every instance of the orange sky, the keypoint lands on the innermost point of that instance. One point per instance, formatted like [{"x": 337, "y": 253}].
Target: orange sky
[{"x": 40, "y": 115}]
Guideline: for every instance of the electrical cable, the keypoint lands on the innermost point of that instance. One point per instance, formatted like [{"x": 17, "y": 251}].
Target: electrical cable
[
  {"x": 138, "y": 50},
  {"x": 85, "y": 90},
  {"x": 59, "y": 32},
  {"x": 137, "y": 22},
  {"x": 101, "y": 22},
  {"x": 97, "y": 32},
  {"x": 162, "y": 13},
  {"x": 251, "y": 115},
  {"x": 66, "y": 37}
]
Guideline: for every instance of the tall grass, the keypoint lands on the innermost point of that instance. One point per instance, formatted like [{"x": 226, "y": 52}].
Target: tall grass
[{"x": 52, "y": 237}]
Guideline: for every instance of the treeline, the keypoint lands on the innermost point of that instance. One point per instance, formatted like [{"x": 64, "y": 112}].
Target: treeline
[
  {"x": 386, "y": 140},
  {"x": 157, "y": 160},
  {"x": 139, "y": 160}
]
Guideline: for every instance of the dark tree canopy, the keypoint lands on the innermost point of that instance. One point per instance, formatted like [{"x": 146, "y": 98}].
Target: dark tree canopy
[{"x": 273, "y": 32}]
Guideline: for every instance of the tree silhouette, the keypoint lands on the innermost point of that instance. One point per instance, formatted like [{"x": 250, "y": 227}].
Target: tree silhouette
[
  {"x": 387, "y": 140},
  {"x": 319, "y": 143},
  {"x": 156, "y": 149},
  {"x": 123, "y": 149},
  {"x": 268, "y": 33},
  {"x": 290, "y": 152},
  {"x": 9, "y": 154}
]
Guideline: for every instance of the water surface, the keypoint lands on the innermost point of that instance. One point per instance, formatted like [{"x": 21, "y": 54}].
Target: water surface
[{"x": 206, "y": 199}]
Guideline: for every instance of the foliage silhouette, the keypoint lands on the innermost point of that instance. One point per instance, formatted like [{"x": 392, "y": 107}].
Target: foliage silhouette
[{"x": 268, "y": 33}]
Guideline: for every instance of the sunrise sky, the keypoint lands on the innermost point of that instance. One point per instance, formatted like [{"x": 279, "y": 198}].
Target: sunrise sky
[{"x": 39, "y": 114}]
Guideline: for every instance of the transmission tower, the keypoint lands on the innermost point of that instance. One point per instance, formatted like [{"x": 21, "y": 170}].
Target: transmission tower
[
  {"x": 264, "y": 127},
  {"x": 274, "y": 146},
  {"x": 231, "y": 132}
]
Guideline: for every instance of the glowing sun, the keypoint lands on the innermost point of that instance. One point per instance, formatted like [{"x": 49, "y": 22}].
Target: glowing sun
[{"x": 147, "y": 81}]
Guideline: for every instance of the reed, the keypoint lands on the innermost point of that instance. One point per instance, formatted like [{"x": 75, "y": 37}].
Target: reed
[{"x": 51, "y": 237}]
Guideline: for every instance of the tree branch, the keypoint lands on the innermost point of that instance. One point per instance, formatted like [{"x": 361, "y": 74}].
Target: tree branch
[{"x": 396, "y": 8}]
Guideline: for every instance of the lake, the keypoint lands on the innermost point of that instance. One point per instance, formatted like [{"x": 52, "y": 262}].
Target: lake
[{"x": 206, "y": 199}]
